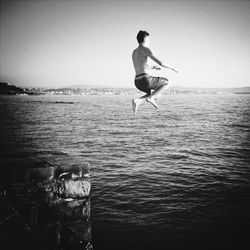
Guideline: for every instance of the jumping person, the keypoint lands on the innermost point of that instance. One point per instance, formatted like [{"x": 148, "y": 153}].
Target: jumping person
[{"x": 143, "y": 80}]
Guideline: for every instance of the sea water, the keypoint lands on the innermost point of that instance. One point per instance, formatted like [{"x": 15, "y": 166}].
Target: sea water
[{"x": 173, "y": 178}]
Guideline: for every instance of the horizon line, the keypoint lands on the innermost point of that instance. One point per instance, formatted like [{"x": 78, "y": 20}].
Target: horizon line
[{"x": 113, "y": 86}]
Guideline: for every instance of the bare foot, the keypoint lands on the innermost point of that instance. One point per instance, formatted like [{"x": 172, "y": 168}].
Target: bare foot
[
  {"x": 152, "y": 101},
  {"x": 135, "y": 104}
]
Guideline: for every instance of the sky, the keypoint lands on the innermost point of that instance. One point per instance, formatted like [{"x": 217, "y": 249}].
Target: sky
[{"x": 59, "y": 43}]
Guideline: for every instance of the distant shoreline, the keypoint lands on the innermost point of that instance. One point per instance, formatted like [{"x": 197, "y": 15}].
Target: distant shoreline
[{"x": 10, "y": 89}]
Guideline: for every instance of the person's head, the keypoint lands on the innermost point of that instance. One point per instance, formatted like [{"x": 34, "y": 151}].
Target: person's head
[{"x": 143, "y": 37}]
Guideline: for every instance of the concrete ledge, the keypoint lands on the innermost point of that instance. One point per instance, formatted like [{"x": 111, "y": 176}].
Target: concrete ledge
[{"x": 53, "y": 200}]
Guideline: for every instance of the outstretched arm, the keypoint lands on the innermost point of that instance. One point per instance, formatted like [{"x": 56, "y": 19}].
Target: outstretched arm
[
  {"x": 159, "y": 62},
  {"x": 156, "y": 67}
]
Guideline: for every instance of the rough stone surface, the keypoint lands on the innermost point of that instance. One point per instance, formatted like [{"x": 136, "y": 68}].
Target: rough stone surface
[{"x": 54, "y": 200}]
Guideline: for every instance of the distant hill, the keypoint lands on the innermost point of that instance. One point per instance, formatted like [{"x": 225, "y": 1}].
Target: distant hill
[
  {"x": 9, "y": 89},
  {"x": 180, "y": 88},
  {"x": 83, "y": 86},
  {"x": 234, "y": 90},
  {"x": 211, "y": 90}
]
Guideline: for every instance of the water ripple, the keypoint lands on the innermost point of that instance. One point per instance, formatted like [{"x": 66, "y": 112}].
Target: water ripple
[{"x": 161, "y": 176}]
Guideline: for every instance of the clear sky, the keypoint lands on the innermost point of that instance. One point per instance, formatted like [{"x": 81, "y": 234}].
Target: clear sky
[{"x": 60, "y": 43}]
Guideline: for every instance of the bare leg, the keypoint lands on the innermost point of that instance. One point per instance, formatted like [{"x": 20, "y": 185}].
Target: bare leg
[
  {"x": 137, "y": 101},
  {"x": 156, "y": 95}
]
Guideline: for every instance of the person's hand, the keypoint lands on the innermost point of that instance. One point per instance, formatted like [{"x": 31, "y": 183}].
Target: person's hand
[{"x": 156, "y": 68}]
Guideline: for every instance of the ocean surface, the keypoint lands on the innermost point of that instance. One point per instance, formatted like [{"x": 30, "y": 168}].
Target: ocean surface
[{"x": 173, "y": 178}]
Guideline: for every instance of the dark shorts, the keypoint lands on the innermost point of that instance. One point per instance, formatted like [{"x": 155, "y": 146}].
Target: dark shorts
[{"x": 147, "y": 83}]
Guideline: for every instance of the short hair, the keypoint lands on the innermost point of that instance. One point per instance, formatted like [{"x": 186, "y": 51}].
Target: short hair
[{"x": 141, "y": 35}]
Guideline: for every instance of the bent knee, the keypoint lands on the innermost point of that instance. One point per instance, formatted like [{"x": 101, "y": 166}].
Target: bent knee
[{"x": 164, "y": 80}]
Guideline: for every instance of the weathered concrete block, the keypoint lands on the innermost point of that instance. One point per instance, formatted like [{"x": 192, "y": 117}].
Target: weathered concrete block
[
  {"x": 74, "y": 188},
  {"x": 71, "y": 235},
  {"x": 66, "y": 210},
  {"x": 54, "y": 201}
]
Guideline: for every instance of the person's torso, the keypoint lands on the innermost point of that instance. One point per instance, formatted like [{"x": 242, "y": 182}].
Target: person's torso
[{"x": 140, "y": 60}]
